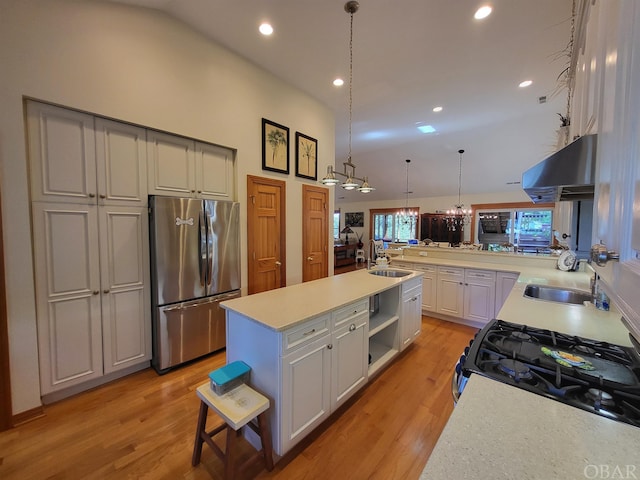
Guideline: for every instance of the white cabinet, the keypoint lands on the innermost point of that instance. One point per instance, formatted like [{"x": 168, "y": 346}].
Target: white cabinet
[
  {"x": 349, "y": 343},
  {"x": 429, "y": 286},
  {"x": 78, "y": 158},
  {"x": 179, "y": 166},
  {"x": 450, "y": 295},
  {"x": 479, "y": 295},
  {"x": 504, "y": 283},
  {"x": 306, "y": 390},
  {"x": 91, "y": 320},
  {"x": 411, "y": 314},
  {"x": 126, "y": 314},
  {"x": 466, "y": 293}
]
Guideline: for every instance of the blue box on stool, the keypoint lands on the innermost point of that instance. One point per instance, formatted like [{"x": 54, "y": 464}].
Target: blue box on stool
[{"x": 229, "y": 377}]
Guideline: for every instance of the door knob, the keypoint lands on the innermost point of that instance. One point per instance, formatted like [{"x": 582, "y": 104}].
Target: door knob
[
  {"x": 278, "y": 263},
  {"x": 309, "y": 258}
]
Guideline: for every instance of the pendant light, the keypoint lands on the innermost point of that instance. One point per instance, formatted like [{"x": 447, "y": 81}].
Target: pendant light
[
  {"x": 407, "y": 216},
  {"x": 458, "y": 216},
  {"x": 349, "y": 169}
]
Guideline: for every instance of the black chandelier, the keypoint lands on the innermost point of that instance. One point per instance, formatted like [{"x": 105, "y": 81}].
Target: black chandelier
[{"x": 458, "y": 217}]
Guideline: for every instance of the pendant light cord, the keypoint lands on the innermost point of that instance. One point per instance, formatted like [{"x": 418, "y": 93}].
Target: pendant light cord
[{"x": 350, "y": 81}]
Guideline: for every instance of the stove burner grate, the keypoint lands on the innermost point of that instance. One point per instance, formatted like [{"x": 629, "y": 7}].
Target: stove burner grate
[{"x": 515, "y": 369}]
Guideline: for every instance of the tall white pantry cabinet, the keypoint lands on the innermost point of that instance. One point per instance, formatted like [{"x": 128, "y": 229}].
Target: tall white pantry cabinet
[{"x": 90, "y": 239}]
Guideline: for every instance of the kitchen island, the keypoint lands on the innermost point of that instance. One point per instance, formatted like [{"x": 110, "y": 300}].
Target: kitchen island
[{"x": 311, "y": 346}]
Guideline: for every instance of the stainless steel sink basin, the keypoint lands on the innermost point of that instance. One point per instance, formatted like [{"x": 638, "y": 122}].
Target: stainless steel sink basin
[
  {"x": 557, "y": 294},
  {"x": 389, "y": 273}
]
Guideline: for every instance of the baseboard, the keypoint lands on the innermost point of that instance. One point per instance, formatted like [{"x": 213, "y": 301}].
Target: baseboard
[
  {"x": 27, "y": 416},
  {"x": 68, "y": 392}
]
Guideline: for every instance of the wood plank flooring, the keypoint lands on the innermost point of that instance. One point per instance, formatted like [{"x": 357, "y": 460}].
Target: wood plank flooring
[{"x": 143, "y": 426}]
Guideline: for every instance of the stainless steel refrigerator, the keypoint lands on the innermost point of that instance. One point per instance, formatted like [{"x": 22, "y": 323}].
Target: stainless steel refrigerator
[{"x": 195, "y": 265}]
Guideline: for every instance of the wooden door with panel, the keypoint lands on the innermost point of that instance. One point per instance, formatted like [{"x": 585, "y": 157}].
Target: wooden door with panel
[
  {"x": 315, "y": 220},
  {"x": 266, "y": 241}
]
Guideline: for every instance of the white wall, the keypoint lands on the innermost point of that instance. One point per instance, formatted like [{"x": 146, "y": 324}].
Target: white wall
[{"x": 140, "y": 66}]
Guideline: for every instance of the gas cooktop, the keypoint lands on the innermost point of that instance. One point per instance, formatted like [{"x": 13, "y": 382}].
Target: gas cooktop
[{"x": 595, "y": 376}]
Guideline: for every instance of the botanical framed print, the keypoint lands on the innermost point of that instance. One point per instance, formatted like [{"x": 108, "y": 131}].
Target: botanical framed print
[
  {"x": 275, "y": 147},
  {"x": 306, "y": 156},
  {"x": 355, "y": 219}
]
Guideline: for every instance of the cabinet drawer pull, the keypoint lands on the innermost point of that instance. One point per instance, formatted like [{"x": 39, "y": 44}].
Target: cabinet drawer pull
[
  {"x": 305, "y": 334},
  {"x": 105, "y": 291},
  {"x": 352, "y": 327},
  {"x": 96, "y": 292},
  {"x": 92, "y": 195},
  {"x": 329, "y": 346}
]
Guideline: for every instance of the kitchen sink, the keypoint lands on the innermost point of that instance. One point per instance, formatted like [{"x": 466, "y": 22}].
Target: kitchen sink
[
  {"x": 557, "y": 294},
  {"x": 389, "y": 273}
]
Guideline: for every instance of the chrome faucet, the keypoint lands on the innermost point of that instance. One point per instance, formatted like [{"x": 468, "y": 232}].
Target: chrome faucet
[{"x": 371, "y": 244}]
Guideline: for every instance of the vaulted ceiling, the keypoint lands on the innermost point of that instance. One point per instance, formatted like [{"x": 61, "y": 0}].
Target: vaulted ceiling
[{"x": 410, "y": 56}]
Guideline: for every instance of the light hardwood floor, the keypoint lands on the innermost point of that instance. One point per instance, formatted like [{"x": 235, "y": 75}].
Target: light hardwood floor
[{"x": 143, "y": 426}]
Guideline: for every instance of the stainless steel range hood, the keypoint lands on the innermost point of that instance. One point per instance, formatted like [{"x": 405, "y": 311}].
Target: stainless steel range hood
[{"x": 568, "y": 174}]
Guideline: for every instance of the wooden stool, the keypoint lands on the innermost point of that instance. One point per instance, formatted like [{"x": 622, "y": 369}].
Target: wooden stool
[{"x": 238, "y": 408}]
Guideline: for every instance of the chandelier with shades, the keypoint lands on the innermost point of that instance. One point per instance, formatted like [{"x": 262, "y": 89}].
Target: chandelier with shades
[
  {"x": 349, "y": 169},
  {"x": 407, "y": 216},
  {"x": 458, "y": 217}
]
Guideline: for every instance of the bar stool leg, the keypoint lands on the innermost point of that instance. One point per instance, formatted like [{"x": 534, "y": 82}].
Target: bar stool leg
[
  {"x": 230, "y": 453},
  {"x": 265, "y": 438},
  {"x": 201, "y": 428}
]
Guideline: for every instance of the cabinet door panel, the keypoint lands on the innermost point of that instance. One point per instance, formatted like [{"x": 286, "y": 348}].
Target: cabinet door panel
[
  {"x": 306, "y": 397},
  {"x": 67, "y": 294},
  {"x": 450, "y": 291},
  {"x": 125, "y": 286},
  {"x": 171, "y": 164},
  {"x": 61, "y": 153},
  {"x": 349, "y": 365},
  {"x": 121, "y": 154},
  {"x": 479, "y": 302},
  {"x": 214, "y": 172}
]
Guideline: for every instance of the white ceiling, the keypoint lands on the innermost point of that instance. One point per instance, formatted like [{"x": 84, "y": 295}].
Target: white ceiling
[{"x": 408, "y": 57}]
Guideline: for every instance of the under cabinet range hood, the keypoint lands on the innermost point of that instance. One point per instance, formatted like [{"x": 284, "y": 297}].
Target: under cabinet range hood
[{"x": 568, "y": 174}]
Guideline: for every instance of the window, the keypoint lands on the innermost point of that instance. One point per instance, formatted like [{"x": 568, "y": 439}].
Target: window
[
  {"x": 529, "y": 228},
  {"x": 336, "y": 224},
  {"x": 391, "y": 226}
]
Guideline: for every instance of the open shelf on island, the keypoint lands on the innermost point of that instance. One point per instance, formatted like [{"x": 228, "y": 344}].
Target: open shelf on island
[
  {"x": 380, "y": 355},
  {"x": 380, "y": 322}
]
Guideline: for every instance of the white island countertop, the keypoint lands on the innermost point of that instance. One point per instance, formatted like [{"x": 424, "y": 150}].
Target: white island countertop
[
  {"x": 286, "y": 307},
  {"x": 501, "y": 432}
]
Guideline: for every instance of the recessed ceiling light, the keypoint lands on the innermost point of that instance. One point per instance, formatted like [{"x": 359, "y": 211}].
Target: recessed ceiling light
[
  {"x": 266, "y": 29},
  {"x": 483, "y": 12},
  {"x": 426, "y": 128},
  {"x": 437, "y": 109},
  {"x": 526, "y": 83},
  {"x": 338, "y": 82}
]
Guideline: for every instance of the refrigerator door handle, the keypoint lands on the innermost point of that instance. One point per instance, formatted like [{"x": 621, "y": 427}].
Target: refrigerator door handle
[
  {"x": 209, "y": 249},
  {"x": 204, "y": 249}
]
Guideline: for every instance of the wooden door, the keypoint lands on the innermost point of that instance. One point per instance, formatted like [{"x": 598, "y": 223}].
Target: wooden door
[
  {"x": 266, "y": 241},
  {"x": 315, "y": 263},
  {"x": 5, "y": 381}
]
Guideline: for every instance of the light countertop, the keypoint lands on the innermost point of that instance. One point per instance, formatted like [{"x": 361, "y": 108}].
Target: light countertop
[
  {"x": 286, "y": 307},
  {"x": 498, "y": 431}
]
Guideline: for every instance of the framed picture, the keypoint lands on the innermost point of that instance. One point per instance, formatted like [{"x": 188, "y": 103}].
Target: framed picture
[
  {"x": 275, "y": 147},
  {"x": 306, "y": 156},
  {"x": 355, "y": 219}
]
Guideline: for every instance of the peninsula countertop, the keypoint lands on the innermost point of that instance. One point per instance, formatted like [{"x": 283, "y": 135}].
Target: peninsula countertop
[{"x": 499, "y": 431}]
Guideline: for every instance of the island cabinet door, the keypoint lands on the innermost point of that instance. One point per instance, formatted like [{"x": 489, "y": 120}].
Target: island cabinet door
[
  {"x": 306, "y": 395},
  {"x": 349, "y": 365}
]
